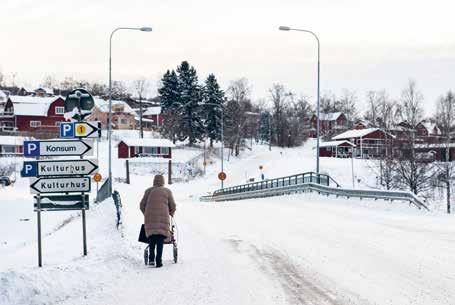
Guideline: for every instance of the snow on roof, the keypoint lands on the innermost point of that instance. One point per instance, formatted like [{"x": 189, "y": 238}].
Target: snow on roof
[
  {"x": 331, "y": 116},
  {"x": 152, "y": 111},
  {"x": 357, "y": 133},
  {"x": 144, "y": 120},
  {"x": 148, "y": 142},
  {"x": 12, "y": 140},
  {"x": 47, "y": 90},
  {"x": 32, "y": 105},
  {"x": 430, "y": 127},
  {"x": 103, "y": 105},
  {"x": 335, "y": 143}
]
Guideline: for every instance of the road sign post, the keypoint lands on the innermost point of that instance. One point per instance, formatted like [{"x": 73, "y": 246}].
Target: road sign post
[{"x": 38, "y": 215}]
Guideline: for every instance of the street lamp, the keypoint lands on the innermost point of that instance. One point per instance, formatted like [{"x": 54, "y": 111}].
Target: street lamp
[
  {"x": 109, "y": 133},
  {"x": 286, "y": 28}
]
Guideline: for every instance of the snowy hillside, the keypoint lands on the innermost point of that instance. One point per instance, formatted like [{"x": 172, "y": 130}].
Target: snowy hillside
[{"x": 299, "y": 249}]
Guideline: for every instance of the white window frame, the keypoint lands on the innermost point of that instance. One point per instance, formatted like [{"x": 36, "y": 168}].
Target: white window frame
[
  {"x": 35, "y": 124},
  {"x": 123, "y": 121},
  {"x": 59, "y": 110}
]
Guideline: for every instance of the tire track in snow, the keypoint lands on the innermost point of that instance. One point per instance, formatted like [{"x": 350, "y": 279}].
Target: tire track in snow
[{"x": 298, "y": 288}]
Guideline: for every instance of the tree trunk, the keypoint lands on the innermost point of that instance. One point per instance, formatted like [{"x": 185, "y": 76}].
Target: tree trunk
[{"x": 211, "y": 143}]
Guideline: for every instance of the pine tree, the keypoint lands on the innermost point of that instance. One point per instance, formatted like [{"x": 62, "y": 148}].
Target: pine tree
[
  {"x": 169, "y": 93},
  {"x": 191, "y": 126},
  {"x": 213, "y": 105}
]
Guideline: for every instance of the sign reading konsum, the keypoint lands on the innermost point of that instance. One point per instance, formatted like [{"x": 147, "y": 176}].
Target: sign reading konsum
[
  {"x": 60, "y": 185},
  {"x": 59, "y": 168},
  {"x": 57, "y": 148}
]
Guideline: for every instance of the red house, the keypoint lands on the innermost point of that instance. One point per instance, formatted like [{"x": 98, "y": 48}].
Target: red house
[
  {"x": 32, "y": 115},
  {"x": 428, "y": 132},
  {"x": 336, "y": 149},
  {"x": 329, "y": 122},
  {"x": 132, "y": 148},
  {"x": 154, "y": 114},
  {"x": 369, "y": 142}
]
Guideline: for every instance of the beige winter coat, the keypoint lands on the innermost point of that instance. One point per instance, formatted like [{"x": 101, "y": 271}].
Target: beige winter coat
[{"x": 156, "y": 205}]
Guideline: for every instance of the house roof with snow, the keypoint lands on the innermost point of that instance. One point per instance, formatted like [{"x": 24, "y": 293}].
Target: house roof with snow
[
  {"x": 148, "y": 142},
  {"x": 152, "y": 111},
  {"x": 103, "y": 105},
  {"x": 46, "y": 90},
  {"x": 32, "y": 105},
  {"x": 330, "y": 116},
  {"x": 359, "y": 133},
  {"x": 336, "y": 143},
  {"x": 430, "y": 127}
]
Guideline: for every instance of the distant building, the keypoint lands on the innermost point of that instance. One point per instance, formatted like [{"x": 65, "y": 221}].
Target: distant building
[
  {"x": 336, "y": 149},
  {"x": 333, "y": 122},
  {"x": 132, "y": 148},
  {"x": 11, "y": 145},
  {"x": 369, "y": 142},
  {"x": 154, "y": 114},
  {"x": 32, "y": 115},
  {"x": 123, "y": 116}
]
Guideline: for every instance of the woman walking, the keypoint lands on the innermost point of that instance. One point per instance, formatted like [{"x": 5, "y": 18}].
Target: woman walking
[{"x": 157, "y": 205}]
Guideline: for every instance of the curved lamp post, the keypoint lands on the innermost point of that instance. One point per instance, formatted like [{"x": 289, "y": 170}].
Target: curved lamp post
[
  {"x": 109, "y": 134},
  {"x": 286, "y": 28}
]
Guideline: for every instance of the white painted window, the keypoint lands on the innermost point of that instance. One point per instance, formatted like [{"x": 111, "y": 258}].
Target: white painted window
[
  {"x": 35, "y": 123},
  {"x": 59, "y": 110},
  {"x": 123, "y": 121}
]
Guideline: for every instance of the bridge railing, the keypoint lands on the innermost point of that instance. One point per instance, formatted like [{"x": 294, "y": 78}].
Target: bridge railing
[
  {"x": 309, "y": 177},
  {"x": 321, "y": 183}
]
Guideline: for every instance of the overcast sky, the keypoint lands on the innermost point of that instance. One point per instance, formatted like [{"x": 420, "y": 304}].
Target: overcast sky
[{"x": 365, "y": 45}]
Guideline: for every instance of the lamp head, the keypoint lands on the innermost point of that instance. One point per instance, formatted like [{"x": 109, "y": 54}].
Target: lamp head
[
  {"x": 284, "y": 28},
  {"x": 146, "y": 29}
]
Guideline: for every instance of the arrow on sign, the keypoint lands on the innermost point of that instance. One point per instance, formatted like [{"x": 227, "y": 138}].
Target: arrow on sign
[
  {"x": 56, "y": 148},
  {"x": 65, "y": 168},
  {"x": 60, "y": 185},
  {"x": 87, "y": 130}
]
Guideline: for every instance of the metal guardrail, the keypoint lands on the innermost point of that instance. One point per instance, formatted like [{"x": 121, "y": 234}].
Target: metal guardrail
[{"x": 307, "y": 182}]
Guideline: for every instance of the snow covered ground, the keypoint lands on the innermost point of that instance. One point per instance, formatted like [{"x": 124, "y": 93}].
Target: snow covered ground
[{"x": 299, "y": 249}]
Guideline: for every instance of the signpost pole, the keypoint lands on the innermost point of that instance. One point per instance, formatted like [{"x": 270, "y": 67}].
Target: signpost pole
[
  {"x": 40, "y": 263},
  {"x": 84, "y": 231}
]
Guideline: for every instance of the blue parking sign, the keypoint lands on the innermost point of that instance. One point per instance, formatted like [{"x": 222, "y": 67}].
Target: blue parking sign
[
  {"x": 30, "y": 169},
  {"x": 31, "y": 148},
  {"x": 67, "y": 130}
]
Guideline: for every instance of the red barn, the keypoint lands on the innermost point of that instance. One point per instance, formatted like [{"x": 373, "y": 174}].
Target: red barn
[
  {"x": 132, "y": 148},
  {"x": 33, "y": 115}
]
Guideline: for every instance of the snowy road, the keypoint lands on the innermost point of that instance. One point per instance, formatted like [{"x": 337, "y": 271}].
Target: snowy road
[{"x": 299, "y": 249}]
